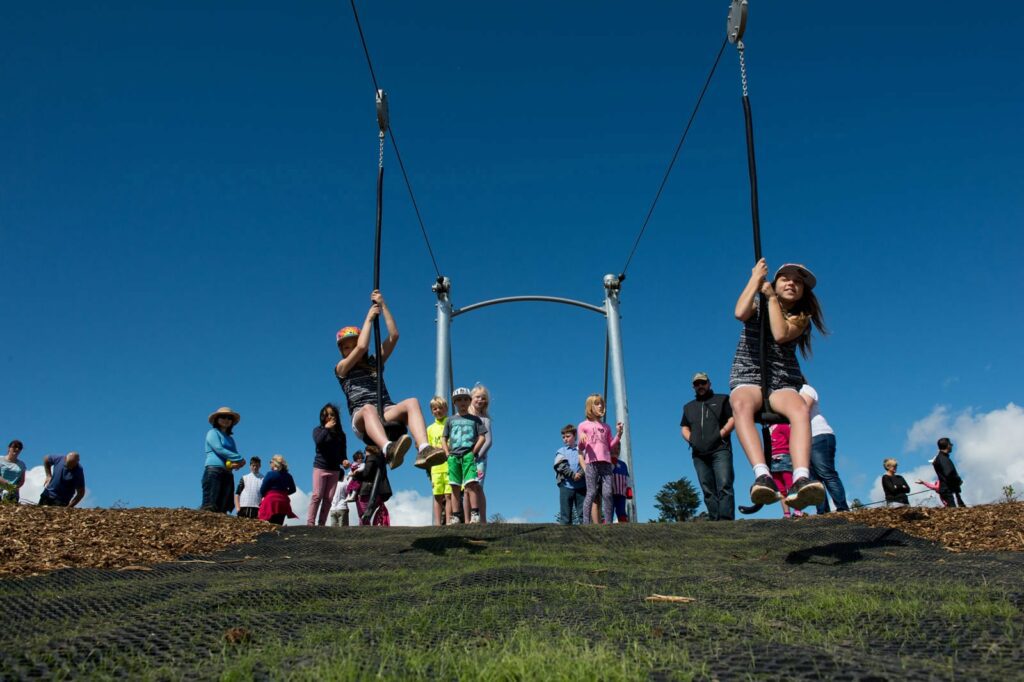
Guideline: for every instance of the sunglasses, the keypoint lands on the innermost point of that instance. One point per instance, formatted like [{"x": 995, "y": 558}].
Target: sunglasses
[{"x": 701, "y": 382}]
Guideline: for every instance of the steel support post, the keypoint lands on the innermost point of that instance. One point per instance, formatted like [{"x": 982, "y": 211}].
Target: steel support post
[
  {"x": 442, "y": 386},
  {"x": 612, "y": 286}
]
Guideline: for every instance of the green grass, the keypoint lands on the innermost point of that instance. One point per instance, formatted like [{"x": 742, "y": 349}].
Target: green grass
[{"x": 514, "y": 603}]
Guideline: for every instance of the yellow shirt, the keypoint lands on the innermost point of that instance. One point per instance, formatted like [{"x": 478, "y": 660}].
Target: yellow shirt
[{"x": 435, "y": 433}]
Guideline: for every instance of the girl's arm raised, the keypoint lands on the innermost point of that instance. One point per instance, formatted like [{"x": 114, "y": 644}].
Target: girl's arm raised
[
  {"x": 745, "y": 304},
  {"x": 362, "y": 344},
  {"x": 784, "y": 329},
  {"x": 388, "y": 345}
]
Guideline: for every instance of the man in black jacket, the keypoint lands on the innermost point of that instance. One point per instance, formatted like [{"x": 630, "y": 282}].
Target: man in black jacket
[
  {"x": 949, "y": 479},
  {"x": 706, "y": 425}
]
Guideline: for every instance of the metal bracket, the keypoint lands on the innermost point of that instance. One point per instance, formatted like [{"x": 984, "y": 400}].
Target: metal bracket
[
  {"x": 441, "y": 286},
  {"x": 382, "y": 111},
  {"x": 736, "y": 24}
]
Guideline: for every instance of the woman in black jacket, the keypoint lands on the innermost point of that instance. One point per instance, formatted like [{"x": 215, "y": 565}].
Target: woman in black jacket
[{"x": 894, "y": 485}]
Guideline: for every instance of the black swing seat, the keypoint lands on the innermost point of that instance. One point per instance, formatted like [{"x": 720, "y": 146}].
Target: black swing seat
[
  {"x": 769, "y": 418},
  {"x": 394, "y": 431}
]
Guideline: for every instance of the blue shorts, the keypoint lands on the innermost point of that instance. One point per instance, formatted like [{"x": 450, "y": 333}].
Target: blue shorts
[{"x": 783, "y": 463}]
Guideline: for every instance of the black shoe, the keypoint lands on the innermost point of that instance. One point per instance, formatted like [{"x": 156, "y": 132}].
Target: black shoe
[
  {"x": 804, "y": 493},
  {"x": 764, "y": 491}
]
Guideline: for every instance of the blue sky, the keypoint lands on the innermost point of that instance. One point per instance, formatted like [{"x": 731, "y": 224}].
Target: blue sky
[{"x": 187, "y": 206}]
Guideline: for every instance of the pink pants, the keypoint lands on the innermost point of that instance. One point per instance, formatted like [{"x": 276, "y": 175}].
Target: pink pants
[
  {"x": 324, "y": 484},
  {"x": 783, "y": 479}
]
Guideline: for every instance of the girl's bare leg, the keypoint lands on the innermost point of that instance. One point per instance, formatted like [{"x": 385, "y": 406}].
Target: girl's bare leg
[
  {"x": 408, "y": 412},
  {"x": 745, "y": 402},
  {"x": 368, "y": 422}
]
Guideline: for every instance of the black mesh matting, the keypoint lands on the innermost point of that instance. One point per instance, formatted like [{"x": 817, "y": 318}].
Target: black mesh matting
[{"x": 302, "y": 585}]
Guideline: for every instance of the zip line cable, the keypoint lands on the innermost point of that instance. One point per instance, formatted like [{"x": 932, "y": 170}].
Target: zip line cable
[
  {"x": 394, "y": 142},
  {"x": 675, "y": 156}
]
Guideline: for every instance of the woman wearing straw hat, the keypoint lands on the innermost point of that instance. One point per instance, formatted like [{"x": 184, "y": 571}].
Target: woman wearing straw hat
[{"x": 221, "y": 459}]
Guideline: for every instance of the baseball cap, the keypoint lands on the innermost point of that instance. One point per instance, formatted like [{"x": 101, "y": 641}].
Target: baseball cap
[
  {"x": 801, "y": 271},
  {"x": 700, "y": 376},
  {"x": 461, "y": 392}
]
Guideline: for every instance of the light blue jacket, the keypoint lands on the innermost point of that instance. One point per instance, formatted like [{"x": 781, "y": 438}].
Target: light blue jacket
[{"x": 220, "y": 448}]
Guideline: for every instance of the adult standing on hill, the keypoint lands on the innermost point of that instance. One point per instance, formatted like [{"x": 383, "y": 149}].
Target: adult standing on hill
[
  {"x": 894, "y": 486},
  {"x": 12, "y": 472},
  {"x": 65, "y": 481},
  {"x": 330, "y": 458},
  {"x": 949, "y": 479},
  {"x": 707, "y": 426},
  {"x": 221, "y": 459},
  {"x": 823, "y": 453}
]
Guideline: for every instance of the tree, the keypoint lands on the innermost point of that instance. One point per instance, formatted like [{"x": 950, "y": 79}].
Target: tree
[
  {"x": 677, "y": 501},
  {"x": 1009, "y": 494}
]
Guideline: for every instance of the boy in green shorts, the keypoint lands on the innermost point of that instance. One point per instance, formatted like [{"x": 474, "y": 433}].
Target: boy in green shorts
[
  {"x": 438, "y": 475},
  {"x": 462, "y": 438}
]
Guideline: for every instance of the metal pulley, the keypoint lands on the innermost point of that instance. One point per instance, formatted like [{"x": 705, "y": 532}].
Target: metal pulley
[
  {"x": 382, "y": 111},
  {"x": 736, "y": 24}
]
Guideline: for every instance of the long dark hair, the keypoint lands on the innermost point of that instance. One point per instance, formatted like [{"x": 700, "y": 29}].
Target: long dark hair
[
  {"x": 808, "y": 307},
  {"x": 323, "y": 416}
]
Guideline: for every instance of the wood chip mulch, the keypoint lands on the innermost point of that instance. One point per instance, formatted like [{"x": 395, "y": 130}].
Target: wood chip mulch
[
  {"x": 985, "y": 528},
  {"x": 38, "y": 539}
]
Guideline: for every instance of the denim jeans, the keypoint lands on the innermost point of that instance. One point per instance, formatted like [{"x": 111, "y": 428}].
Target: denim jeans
[
  {"x": 570, "y": 501},
  {"x": 218, "y": 484},
  {"x": 823, "y": 468},
  {"x": 715, "y": 475}
]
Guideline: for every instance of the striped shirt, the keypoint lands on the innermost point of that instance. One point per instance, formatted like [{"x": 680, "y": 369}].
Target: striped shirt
[
  {"x": 360, "y": 385},
  {"x": 783, "y": 367},
  {"x": 620, "y": 478}
]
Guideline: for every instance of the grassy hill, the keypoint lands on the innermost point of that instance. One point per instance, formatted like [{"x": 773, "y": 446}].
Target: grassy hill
[{"x": 820, "y": 598}]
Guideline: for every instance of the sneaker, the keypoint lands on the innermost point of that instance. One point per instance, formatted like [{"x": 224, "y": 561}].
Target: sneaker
[
  {"x": 474, "y": 517},
  {"x": 764, "y": 491},
  {"x": 455, "y": 520},
  {"x": 430, "y": 457},
  {"x": 396, "y": 451},
  {"x": 804, "y": 493}
]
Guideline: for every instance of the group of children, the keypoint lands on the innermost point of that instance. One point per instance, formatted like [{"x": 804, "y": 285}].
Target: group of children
[
  {"x": 463, "y": 438},
  {"x": 593, "y": 483},
  {"x": 466, "y": 437}
]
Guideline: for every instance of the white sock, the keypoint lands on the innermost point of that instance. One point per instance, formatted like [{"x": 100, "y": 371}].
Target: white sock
[
  {"x": 422, "y": 447},
  {"x": 386, "y": 447},
  {"x": 801, "y": 472},
  {"x": 761, "y": 470}
]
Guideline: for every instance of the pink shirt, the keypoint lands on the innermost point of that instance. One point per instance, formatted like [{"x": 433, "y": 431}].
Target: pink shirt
[
  {"x": 596, "y": 442},
  {"x": 780, "y": 440}
]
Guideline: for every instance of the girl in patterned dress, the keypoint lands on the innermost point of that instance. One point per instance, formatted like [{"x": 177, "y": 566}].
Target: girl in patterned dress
[{"x": 792, "y": 310}]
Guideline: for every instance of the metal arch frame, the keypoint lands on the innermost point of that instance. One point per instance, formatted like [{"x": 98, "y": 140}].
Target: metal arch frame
[
  {"x": 610, "y": 311},
  {"x": 516, "y": 299}
]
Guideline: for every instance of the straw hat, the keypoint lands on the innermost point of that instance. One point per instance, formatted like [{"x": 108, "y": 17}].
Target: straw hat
[{"x": 224, "y": 411}]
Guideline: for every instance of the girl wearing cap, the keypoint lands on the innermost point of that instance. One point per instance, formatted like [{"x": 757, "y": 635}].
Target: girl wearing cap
[
  {"x": 357, "y": 374},
  {"x": 221, "y": 459},
  {"x": 792, "y": 310}
]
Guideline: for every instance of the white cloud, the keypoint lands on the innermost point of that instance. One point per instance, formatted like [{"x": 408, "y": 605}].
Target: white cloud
[
  {"x": 410, "y": 508},
  {"x": 406, "y": 508},
  {"x": 988, "y": 448},
  {"x": 33, "y": 487},
  {"x": 300, "y": 506}
]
